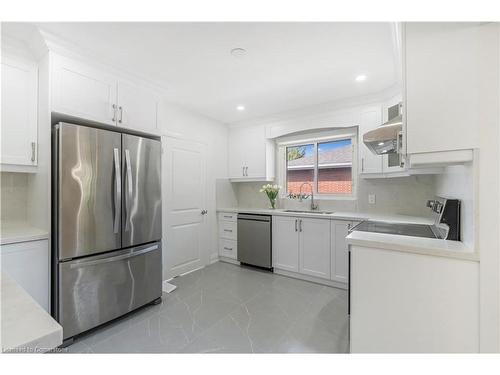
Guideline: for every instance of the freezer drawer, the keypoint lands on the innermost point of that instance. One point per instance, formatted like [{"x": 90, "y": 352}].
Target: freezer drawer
[{"x": 97, "y": 289}]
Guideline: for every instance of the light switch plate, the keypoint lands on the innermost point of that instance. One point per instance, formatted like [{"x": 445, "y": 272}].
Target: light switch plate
[{"x": 371, "y": 198}]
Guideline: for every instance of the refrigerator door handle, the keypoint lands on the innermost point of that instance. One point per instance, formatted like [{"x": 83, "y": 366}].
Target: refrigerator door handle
[
  {"x": 128, "y": 186},
  {"x": 129, "y": 254},
  {"x": 118, "y": 190}
]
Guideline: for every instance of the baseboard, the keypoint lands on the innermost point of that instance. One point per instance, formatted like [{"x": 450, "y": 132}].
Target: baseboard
[
  {"x": 229, "y": 260},
  {"x": 312, "y": 279}
]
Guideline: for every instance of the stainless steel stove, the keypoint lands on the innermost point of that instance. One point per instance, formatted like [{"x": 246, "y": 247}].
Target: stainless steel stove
[
  {"x": 446, "y": 213},
  {"x": 415, "y": 230}
]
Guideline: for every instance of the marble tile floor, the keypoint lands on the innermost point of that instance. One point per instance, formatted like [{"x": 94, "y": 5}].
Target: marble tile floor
[{"x": 224, "y": 308}]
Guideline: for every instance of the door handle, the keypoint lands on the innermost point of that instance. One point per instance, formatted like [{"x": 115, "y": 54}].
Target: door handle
[
  {"x": 33, "y": 151},
  {"x": 204, "y": 212},
  {"x": 121, "y": 114},
  {"x": 128, "y": 186},
  {"x": 118, "y": 190},
  {"x": 129, "y": 254}
]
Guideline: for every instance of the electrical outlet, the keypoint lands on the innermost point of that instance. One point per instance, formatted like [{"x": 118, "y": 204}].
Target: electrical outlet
[{"x": 371, "y": 198}]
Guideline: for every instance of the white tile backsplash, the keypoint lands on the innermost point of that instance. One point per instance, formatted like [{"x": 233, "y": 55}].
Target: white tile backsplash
[
  {"x": 14, "y": 196},
  {"x": 402, "y": 195}
]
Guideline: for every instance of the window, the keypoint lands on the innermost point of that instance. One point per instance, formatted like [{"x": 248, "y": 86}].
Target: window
[{"x": 323, "y": 166}]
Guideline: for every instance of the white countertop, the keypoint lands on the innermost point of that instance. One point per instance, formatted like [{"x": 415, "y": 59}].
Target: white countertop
[
  {"x": 26, "y": 326},
  {"x": 20, "y": 231},
  {"x": 338, "y": 215},
  {"x": 418, "y": 245}
]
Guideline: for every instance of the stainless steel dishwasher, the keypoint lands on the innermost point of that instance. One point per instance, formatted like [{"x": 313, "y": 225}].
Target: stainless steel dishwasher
[{"x": 254, "y": 240}]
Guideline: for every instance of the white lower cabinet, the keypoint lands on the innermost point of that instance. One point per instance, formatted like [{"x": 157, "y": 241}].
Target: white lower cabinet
[
  {"x": 27, "y": 263},
  {"x": 339, "y": 250},
  {"x": 286, "y": 243},
  {"x": 228, "y": 235},
  {"x": 412, "y": 303},
  {"x": 314, "y": 247}
]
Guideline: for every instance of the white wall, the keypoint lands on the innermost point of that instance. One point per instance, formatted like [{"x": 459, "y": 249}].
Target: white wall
[
  {"x": 457, "y": 182},
  {"x": 178, "y": 122}
]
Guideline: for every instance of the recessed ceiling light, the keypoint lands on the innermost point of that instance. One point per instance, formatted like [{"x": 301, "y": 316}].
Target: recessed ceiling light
[
  {"x": 238, "y": 52},
  {"x": 240, "y": 108},
  {"x": 381, "y": 143},
  {"x": 360, "y": 78}
]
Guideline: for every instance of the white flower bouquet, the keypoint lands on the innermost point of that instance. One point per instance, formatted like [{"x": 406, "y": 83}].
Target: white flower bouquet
[{"x": 271, "y": 192}]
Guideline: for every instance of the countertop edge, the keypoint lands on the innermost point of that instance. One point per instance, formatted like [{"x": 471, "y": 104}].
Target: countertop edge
[{"x": 400, "y": 246}]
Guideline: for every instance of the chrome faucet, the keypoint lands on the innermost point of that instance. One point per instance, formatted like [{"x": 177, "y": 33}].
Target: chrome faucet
[{"x": 313, "y": 206}]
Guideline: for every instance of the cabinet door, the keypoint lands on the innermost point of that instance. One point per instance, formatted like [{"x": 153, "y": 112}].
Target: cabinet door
[
  {"x": 19, "y": 111},
  {"x": 236, "y": 140},
  {"x": 368, "y": 161},
  {"x": 137, "y": 107},
  {"x": 443, "y": 68},
  {"x": 339, "y": 250},
  {"x": 254, "y": 149},
  {"x": 81, "y": 91},
  {"x": 285, "y": 243},
  {"x": 314, "y": 245},
  {"x": 28, "y": 264}
]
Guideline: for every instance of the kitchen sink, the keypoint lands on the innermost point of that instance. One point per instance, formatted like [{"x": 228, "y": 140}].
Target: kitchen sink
[{"x": 310, "y": 212}]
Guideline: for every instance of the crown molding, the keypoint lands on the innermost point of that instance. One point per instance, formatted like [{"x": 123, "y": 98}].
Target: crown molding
[{"x": 323, "y": 109}]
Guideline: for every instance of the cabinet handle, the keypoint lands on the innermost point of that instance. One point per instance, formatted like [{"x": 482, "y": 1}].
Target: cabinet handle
[
  {"x": 228, "y": 248},
  {"x": 243, "y": 171},
  {"x": 228, "y": 230},
  {"x": 228, "y": 217},
  {"x": 114, "y": 113},
  {"x": 121, "y": 114},
  {"x": 295, "y": 225},
  {"x": 33, "y": 151},
  {"x": 362, "y": 164},
  {"x": 246, "y": 171},
  {"x": 300, "y": 225}
]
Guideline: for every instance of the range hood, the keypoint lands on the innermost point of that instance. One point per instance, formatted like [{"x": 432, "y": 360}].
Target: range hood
[{"x": 385, "y": 138}]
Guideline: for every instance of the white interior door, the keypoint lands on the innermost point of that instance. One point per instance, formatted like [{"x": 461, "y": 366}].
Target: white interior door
[{"x": 185, "y": 231}]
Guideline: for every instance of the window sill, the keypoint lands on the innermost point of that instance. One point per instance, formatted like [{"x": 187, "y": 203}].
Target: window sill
[{"x": 324, "y": 198}]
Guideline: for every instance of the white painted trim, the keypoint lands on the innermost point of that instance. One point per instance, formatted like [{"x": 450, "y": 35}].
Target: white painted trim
[
  {"x": 18, "y": 168},
  {"x": 312, "y": 279},
  {"x": 229, "y": 260},
  {"x": 440, "y": 158}
]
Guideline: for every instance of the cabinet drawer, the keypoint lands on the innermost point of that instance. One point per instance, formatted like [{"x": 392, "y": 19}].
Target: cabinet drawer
[
  {"x": 228, "y": 248},
  {"x": 227, "y": 230},
  {"x": 228, "y": 216}
]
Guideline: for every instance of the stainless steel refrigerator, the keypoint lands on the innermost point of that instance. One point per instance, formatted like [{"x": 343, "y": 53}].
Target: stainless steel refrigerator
[{"x": 106, "y": 241}]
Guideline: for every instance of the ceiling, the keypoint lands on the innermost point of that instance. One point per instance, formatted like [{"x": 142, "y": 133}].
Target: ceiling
[{"x": 287, "y": 65}]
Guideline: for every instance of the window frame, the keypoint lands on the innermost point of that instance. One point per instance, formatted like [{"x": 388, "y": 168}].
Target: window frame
[{"x": 315, "y": 139}]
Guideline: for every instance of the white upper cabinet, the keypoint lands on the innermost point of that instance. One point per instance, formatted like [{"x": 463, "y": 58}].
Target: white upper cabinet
[
  {"x": 137, "y": 107},
  {"x": 443, "y": 68},
  {"x": 251, "y": 155},
  {"x": 82, "y": 91},
  {"x": 314, "y": 247},
  {"x": 19, "y": 111},
  {"x": 93, "y": 94},
  {"x": 368, "y": 161}
]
